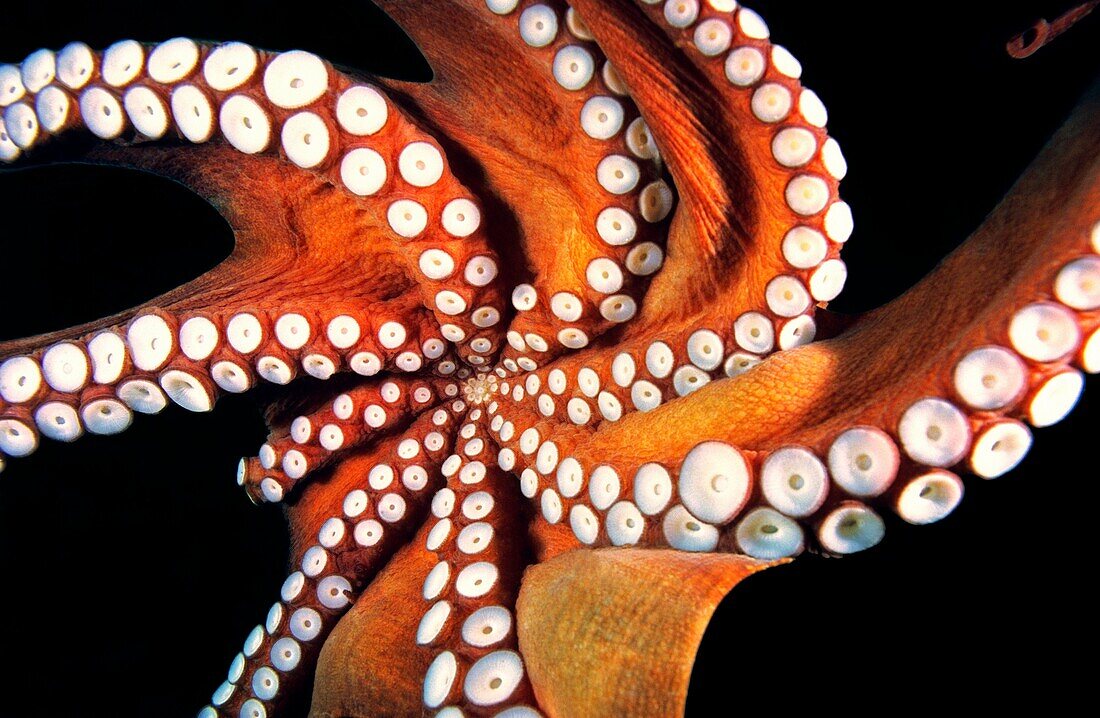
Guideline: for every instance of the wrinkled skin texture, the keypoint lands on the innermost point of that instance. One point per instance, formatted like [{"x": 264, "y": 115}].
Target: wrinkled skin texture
[{"x": 250, "y": 444}]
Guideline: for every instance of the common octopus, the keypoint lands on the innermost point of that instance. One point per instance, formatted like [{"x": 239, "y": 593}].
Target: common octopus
[{"x": 805, "y": 450}]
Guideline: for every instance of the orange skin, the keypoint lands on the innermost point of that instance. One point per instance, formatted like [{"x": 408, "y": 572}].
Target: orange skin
[{"x": 793, "y": 398}]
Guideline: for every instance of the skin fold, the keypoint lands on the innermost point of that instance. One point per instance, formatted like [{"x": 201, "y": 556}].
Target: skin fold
[{"x": 819, "y": 368}]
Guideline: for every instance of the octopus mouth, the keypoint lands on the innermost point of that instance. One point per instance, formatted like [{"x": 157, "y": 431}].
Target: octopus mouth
[
  {"x": 480, "y": 389},
  {"x": 612, "y": 356}
]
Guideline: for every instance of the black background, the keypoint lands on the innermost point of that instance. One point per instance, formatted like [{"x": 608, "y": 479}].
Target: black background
[{"x": 132, "y": 567}]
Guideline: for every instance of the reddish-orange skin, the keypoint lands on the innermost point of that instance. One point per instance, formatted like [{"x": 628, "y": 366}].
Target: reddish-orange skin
[{"x": 293, "y": 229}]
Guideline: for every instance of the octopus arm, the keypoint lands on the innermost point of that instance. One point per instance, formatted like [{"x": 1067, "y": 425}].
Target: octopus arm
[
  {"x": 345, "y": 527},
  {"x": 744, "y": 141},
  {"x": 445, "y": 608},
  {"x": 803, "y": 450},
  {"x": 335, "y": 267},
  {"x": 296, "y": 448},
  {"x": 541, "y": 90},
  {"x": 615, "y": 632}
]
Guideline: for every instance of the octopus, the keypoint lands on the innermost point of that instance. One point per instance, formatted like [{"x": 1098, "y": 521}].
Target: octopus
[{"x": 543, "y": 384}]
